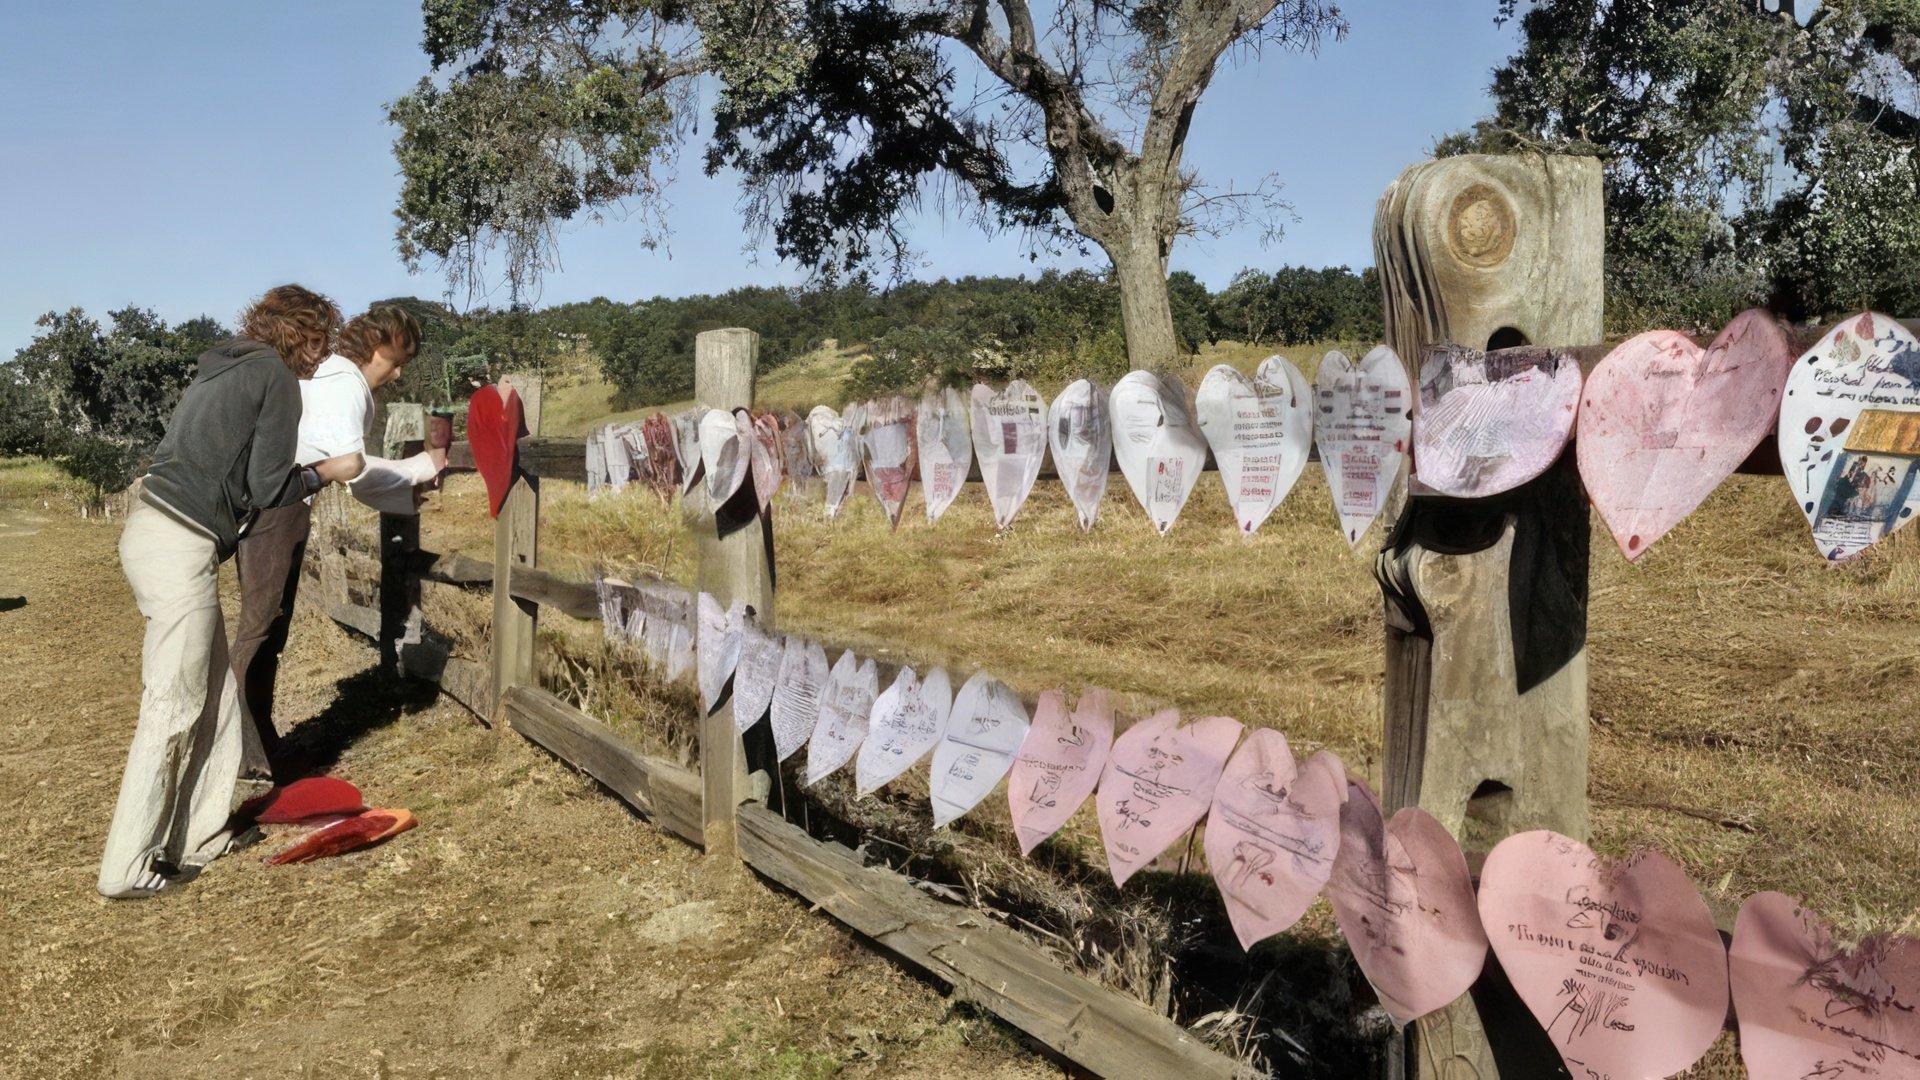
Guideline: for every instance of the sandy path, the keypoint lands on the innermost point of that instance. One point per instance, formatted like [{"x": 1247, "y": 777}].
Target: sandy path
[{"x": 529, "y": 928}]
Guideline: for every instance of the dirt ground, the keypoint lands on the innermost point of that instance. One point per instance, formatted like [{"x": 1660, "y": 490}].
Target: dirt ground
[{"x": 530, "y": 927}]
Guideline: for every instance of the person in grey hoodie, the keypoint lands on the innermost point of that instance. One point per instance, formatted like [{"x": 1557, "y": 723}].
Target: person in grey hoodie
[{"x": 227, "y": 455}]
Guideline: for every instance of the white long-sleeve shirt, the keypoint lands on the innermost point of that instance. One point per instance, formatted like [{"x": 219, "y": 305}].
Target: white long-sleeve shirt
[{"x": 336, "y": 418}]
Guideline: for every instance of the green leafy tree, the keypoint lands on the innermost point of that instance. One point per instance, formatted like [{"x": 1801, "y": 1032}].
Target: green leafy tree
[{"x": 840, "y": 115}]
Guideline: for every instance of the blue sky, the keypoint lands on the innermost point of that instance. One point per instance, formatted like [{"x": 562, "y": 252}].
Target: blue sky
[{"x": 185, "y": 156}]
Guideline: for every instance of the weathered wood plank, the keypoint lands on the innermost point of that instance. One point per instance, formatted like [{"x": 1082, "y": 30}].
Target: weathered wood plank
[
  {"x": 1096, "y": 1028},
  {"x": 358, "y": 618},
  {"x": 663, "y": 791},
  {"x": 551, "y": 459},
  {"x": 453, "y": 569},
  {"x": 515, "y": 622},
  {"x": 575, "y": 598}
]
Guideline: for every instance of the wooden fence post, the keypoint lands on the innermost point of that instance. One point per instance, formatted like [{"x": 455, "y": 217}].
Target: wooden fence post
[
  {"x": 516, "y": 622},
  {"x": 399, "y": 586},
  {"x": 736, "y": 566},
  {"x": 1486, "y": 681}
]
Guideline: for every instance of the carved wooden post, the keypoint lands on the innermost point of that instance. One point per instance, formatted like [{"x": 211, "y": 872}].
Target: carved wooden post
[
  {"x": 1486, "y": 676},
  {"x": 516, "y": 622},
  {"x": 735, "y": 564}
]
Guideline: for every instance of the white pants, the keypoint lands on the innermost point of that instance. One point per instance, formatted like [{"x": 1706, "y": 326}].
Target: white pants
[{"x": 177, "y": 792}]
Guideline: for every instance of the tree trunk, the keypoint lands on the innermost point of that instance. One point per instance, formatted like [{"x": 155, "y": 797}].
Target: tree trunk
[{"x": 1145, "y": 313}]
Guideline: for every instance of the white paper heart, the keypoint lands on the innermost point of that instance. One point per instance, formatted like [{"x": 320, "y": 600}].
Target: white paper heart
[
  {"x": 679, "y": 648},
  {"x": 796, "y": 696},
  {"x": 846, "y": 702},
  {"x": 1489, "y": 422},
  {"x": 1158, "y": 782},
  {"x": 1010, "y": 438},
  {"x": 756, "y": 675},
  {"x": 686, "y": 447},
  {"x": 834, "y": 455},
  {"x": 1081, "y": 438},
  {"x": 1363, "y": 425},
  {"x": 1154, "y": 439},
  {"x": 717, "y": 647},
  {"x": 724, "y": 455},
  {"x": 1272, "y": 833},
  {"x": 906, "y": 723},
  {"x": 1260, "y": 430},
  {"x": 944, "y": 432},
  {"x": 1850, "y": 434},
  {"x": 887, "y": 443},
  {"x": 1059, "y": 763},
  {"x": 983, "y": 733}
]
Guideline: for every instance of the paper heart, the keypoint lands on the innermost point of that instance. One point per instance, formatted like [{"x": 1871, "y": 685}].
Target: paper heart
[
  {"x": 769, "y": 459},
  {"x": 1081, "y": 438},
  {"x": 1260, "y": 430},
  {"x": 1850, "y": 433},
  {"x": 1810, "y": 1008},
  {"x": 797, "y": 457},
  {"x": 686, "y": 436},
  {"x": 983, "y": 733},
  {"x": 1272, "y": 833},
  {"x": 756, "y": 675},
  {"x": 834, "y": 455},
  {"x": 943, "y": 429},
  {"x": 1404, "y": 901},
  {"x": 1010, "y": 438},
  {"x": 1157, "y": 783},
  {"x": 725, "y": 456},
  {"x": 1663, "y": 422},
  {"x": 717, "y": 646},
  {"x": 796, "y": 695},
  {"x": 663, "y": 456},
  {"x": 1489, "y": 422},
  {"x": 1619, "y": 962},
  {"x": 846, "y": 703},
  {"x": 309, "y": 797},
  {"x": 887, "y": 443},
  {"x": 1154, "y": 440},
  {"x": 494, "y": 428},
  {"x": 1363, "y": 424},
  {"x": 1059, "y": 763},
  {"x": 906, "y": 723}
]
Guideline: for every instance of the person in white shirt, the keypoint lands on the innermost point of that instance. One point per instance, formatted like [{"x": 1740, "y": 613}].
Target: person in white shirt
[{"x": 335, "y": 421}]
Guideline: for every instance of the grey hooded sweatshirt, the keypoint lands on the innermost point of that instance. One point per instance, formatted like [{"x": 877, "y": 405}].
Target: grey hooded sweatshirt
[{"x": 228, "y": 452}]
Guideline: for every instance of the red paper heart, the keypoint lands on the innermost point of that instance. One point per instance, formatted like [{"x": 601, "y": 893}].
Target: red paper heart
[
  {"x": 494, "y": 427},
  {"x": 1664, "y": 421},
  {"x": 1620, "y": 962},
  {"x": 1404, "y": 901},
  {"x": 1808, "y": 1007},
  {"x": 314, "y": 796}
]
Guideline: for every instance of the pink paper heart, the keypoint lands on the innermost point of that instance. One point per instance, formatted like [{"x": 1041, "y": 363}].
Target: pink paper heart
[
  {"x": 1404, "y": 900},
  {"x": 1489, "y": 422},
  {"x": 1809, "y": 1008},
  {"x": 769, "y": 459},
  {"x": 1157, "y": 783},
  {"x": 1663, "y": 422},
  {"x": 1059, "y": 764},
  {"x": 1620, "y": 962},
  {"x": 1272, "y": 834},
  {"x": 493, "y": 433}
]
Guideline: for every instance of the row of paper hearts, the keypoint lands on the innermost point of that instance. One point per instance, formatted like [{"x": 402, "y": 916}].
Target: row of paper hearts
[
  {"x": 1620, "y": 962},
  {"x": 1662, "y": 423}
]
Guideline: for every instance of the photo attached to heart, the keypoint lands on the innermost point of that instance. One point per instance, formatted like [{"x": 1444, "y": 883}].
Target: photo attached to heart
[{"x": 1866, "y": 497}]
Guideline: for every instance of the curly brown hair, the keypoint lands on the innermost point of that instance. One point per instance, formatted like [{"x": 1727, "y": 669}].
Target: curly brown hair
[
  {"x": 299, "y": 323},
  {"x": 388, "y": 325}
]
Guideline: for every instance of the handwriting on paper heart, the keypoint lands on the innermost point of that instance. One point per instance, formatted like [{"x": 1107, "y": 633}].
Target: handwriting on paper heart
[
  {"x": 846, "y": 704},
  {"x": 1159, "y": 449},
  {"x": 1404, "y": 901},
  {"x": 887, "y": 443},
  {"x": 1489, "y": 422},
  {"x": 1080, "y": 435},
  {"x": 1059, "y": 763},
  {"x": 1157, "y": 783},
  {"x": 1850, "y": 433},
  {"x": 908, "y": 719},
  {"x": 1260, "y": 430},
  {"x": 663, "y": 456},
  {"x": 1272, "y": 833},
  {"x": 1010, "y": 439},
  {"x": 756, "y": 675},
  {"x": 796, "y": 696},
  {"x": 1620, "y": 962},
  {"x": 835, "y": 454},
  {"x": 1363, "y": 424},
  {"x": 717, "y": 645},
  {"x": 494, "y": 425},
  {"x": 1809, "y": 1007},
  {"x": 983, "y": 733},
  {"x": 1663, "y": 422},
  {"x": 944, "y": 430}
]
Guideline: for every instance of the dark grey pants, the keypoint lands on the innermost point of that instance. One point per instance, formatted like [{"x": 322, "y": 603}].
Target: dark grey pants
[{"x": 269, "y": 565}]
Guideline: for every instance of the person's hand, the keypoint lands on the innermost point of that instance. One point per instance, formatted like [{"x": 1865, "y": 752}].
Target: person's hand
[
  {"x": 339, "y": 470},
  {"x": 438, "y": 455}
]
